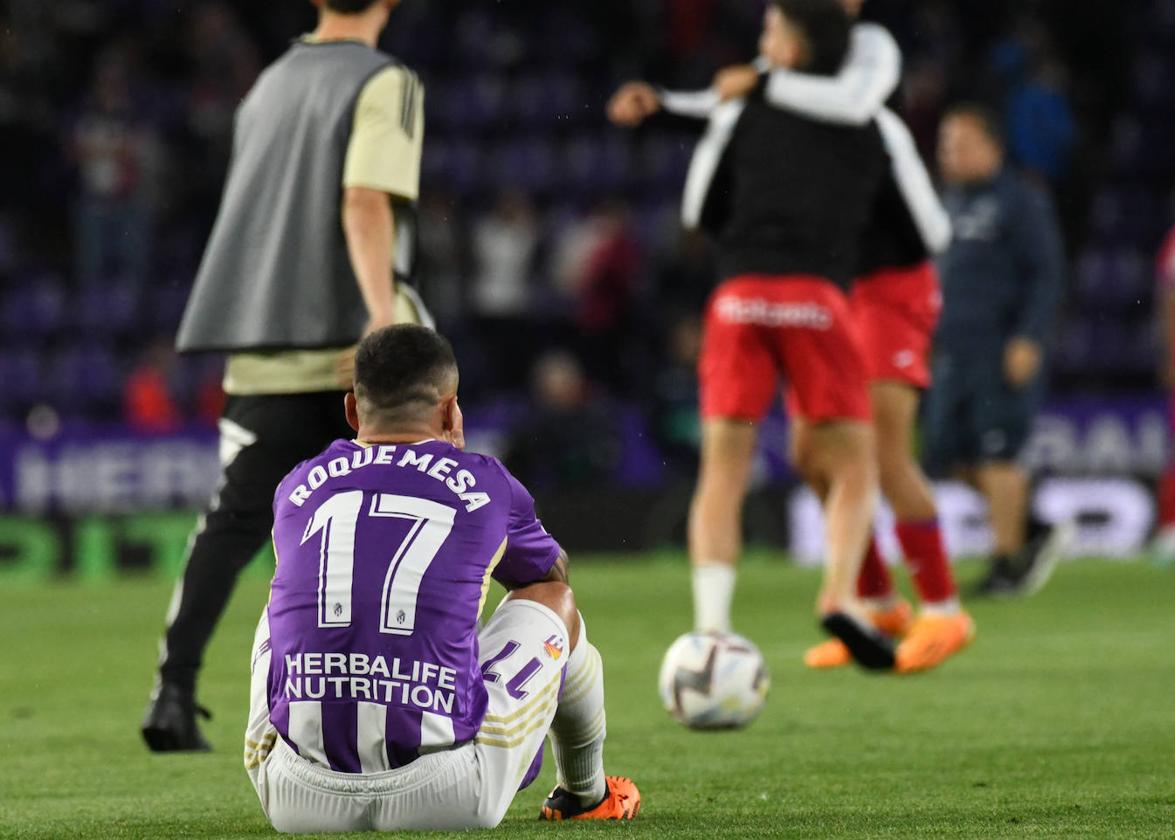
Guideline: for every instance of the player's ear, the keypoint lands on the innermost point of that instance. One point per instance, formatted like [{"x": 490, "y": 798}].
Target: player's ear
[{"x": 351, "y": 407}]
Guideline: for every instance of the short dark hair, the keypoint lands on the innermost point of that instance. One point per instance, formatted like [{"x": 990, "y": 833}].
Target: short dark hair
[
  {"x": 825, "y": 26},
  {"x": 987, "y": 117},
  {"x": 349, "y": 7},
  {"x": 403, "y": 368}
]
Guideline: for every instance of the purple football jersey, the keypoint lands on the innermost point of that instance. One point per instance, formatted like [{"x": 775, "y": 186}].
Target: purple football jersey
[{"x": 384, "y": 557}]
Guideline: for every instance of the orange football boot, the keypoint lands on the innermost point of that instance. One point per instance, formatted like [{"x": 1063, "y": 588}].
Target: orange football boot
[
  {"x": 622, "y": 802},
  {"x": 895, "y": 621},
  {"x": 932, "y": 640}
]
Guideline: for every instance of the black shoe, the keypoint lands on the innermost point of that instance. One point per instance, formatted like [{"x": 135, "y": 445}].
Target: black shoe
[
  {"x": 1028, "y": 570},
  {"x": 1001, "y": 578},
  {"x": 1039, "y": 558},
  {"x": 170, "y": 722},
  {"x": 870, "y": 648}
]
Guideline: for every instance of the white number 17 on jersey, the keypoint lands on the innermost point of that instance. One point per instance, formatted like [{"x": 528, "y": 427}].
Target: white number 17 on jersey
[{"x": 336, "y": 520}]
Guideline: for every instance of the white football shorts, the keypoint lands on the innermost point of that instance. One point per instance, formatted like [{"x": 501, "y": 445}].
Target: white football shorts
[{"x": 470, "y": 786}]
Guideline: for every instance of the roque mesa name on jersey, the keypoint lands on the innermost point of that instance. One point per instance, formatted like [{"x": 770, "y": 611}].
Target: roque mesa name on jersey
[{"x": 461, "y": 483}]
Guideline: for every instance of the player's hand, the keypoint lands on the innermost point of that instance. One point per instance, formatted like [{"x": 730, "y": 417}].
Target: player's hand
[
  {"x": 633, "y": 104},
  {"x": 735, "y": 82},
  {"x": 1022, "y": 358}
]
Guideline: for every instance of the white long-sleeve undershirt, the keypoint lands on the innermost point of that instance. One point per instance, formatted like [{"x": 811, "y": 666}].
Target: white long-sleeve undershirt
[{"x": 853, "y": 96}]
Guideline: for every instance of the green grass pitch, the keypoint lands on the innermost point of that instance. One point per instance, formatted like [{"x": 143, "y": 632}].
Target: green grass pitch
[{"x": 1058, "y": 722}]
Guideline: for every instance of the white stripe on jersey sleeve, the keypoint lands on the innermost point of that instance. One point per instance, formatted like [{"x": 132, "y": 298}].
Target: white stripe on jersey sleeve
[
  {"x": 372, "y": 736},
  {"x": 931, "y": 218},
  {"x": 853, "y": 96},
  {"x": 436, "y": 732},
  {"x": 306, "y": 731},
  {"x": 707, "y": 157},
  {"x": 699, "y": 104}
]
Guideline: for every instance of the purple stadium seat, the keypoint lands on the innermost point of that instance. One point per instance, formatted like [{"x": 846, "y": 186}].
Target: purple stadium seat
[
  {"x": 35, "y": 308},
  {"x": 107, "y": 309},
  {"x": 526, "y": 164},
  {"x": 22, "y": 375},
  {"x": 1113, "y": 279},
  {"x": 167, "y": 304},
  {"x": 84, "y": 377}
]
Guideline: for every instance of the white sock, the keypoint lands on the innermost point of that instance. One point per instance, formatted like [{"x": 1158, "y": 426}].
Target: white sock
[
  {"x": 579, "y": 727},
  {"x": 940, "y": 608},
  {"x": 713, "y": 592}
]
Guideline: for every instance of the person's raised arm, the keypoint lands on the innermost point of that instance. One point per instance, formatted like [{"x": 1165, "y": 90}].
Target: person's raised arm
[
  {"x": 382, "y": 166},
  {"x": 634, "y": 102},
  {"x": 855, "y": 95},
  {"x": 914, "y": 182}
]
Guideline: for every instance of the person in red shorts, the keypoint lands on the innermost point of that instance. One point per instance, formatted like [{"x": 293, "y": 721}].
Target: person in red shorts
[
  {"x": 788, "y": 199},
  {"x": 896, "y": 303}
]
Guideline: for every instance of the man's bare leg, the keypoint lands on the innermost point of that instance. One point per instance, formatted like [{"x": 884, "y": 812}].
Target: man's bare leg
[
  {"x": 839, "y": 462},
  {"x": 715, "y": 517},
  {"x": 911, "y": 496},
  {"x": 1005, "y": 486}
]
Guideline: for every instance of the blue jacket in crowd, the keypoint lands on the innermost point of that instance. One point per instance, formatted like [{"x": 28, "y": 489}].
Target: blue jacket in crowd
[{"x": 1004, "y": 272}]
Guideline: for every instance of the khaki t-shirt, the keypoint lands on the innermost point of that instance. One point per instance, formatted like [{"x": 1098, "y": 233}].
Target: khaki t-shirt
[{"x": 384, "y": 153}]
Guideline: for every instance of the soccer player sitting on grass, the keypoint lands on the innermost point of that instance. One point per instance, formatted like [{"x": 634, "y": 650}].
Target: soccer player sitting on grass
[
  {"x": 376, "y": 702},
  {"x": 788, "y": 198}
]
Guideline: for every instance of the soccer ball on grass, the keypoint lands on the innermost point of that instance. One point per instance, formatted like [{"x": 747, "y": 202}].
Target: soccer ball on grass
[{"x": 713, "y": 680}]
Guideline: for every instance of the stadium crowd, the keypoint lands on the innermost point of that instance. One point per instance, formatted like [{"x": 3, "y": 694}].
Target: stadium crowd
[{"x": 545, "y": 235}]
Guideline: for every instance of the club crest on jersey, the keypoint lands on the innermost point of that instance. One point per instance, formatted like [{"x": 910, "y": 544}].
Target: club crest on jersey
[{"x": 553, "y": 646}]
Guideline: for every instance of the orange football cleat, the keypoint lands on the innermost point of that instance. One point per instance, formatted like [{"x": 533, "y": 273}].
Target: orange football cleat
[
  {"x": 622, "y": 802},
  {"x": 932, "y": 640},
  {"x": 895, "y": 622}
]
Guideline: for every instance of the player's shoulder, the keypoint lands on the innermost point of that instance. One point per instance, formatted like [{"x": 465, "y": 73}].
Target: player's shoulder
[
  {"x": 873, "y": 38},
  {"x": 300, "y": 475},
  {"x": 1025, "y": 193},
  {"x": 391, "y": 80}
]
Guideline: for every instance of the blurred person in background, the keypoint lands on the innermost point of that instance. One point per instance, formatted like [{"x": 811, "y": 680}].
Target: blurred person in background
[
  {"x": 148, "y": 404},
  {"x": 1003, "y": 277},
  {"x": 314, "y": 233},
  {"x": 895, "y": 302},
  {"x": 788, "y": 197},
  {"x": 605, "y": 291},
  {"x": 117, "y": 155},
  {"x": 567, "y": 439},
  {"x": 1164, "y": 542},
  {"x": 676, "y": 424},
  {"x": 505, "y": 248}
]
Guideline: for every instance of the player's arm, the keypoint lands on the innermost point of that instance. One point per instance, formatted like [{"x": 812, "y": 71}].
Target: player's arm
[
  {"x": 382, "y": 166},
  {"x": 854, "y": 96},
  {"x": 914, "y": 182},
  {"x": 530, "y": 554},
  {"x": 370, "y": 231},
  {"x": 558, "y": 573},
  {"x": 1166, "y": 296},
  {"x": 1168, "y": 327},
  {"x": 635, "y": 102},
  {"x": 1036, "y": 238}
]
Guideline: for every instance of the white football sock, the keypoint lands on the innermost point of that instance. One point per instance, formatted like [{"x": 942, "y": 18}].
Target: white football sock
[
  {"x": 713, "y": 593},
  {"x": 940, "y": 608},
  {"x": 579, "y": 727}
]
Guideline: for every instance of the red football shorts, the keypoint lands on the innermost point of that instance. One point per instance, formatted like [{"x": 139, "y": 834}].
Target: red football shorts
[
  {"x": 896, "y": 310},
  {"x": 761, "y": 328}
]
